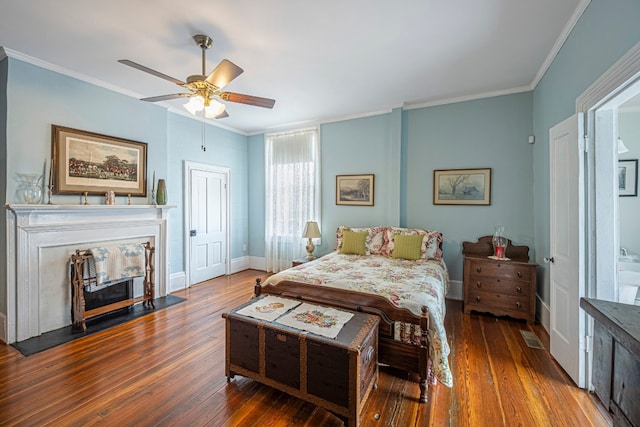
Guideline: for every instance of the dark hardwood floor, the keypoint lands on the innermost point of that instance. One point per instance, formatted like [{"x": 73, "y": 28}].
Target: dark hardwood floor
[{"x": 167, "y": 368}]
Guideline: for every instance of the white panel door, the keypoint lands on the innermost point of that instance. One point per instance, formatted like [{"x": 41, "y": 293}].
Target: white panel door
[
  {"x": 208, "y": 230},
  {"x": 566, "y": 244}
]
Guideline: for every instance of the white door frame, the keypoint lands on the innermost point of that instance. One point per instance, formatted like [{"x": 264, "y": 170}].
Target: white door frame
[
  {"x": 622, "y": 75},
  {"x": 188, "y": 167}
]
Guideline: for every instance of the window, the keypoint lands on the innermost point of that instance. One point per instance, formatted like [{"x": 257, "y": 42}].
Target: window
[{"x": 292, "y": 179}]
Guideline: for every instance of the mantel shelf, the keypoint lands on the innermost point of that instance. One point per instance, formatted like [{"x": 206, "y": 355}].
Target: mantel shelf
[{"x": 53, "y": 207}]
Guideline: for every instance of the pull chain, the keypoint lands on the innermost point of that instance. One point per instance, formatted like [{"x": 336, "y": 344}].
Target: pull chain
[{"x": 203, "y": 146}]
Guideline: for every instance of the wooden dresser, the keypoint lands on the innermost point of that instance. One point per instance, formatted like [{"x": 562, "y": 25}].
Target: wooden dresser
[{"x": 499, "y": 287}]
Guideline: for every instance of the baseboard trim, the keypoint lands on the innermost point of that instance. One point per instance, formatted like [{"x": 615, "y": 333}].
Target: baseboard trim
[
  {"x": 239, "y": 264},
  {"x": 543, "y": 312},
  {"x": 258, "y": 263},
  {"x": 177, "y": 281},
  {"x": 455, "y": 290}
]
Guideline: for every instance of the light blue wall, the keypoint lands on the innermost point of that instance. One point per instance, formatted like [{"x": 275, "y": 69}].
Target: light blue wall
[
  {"x": 604, "y": 33},
  {"x": 171, "y": 140},
  {"x": 224, "y": 149},
  {"x": 256, "y": 195},
  {"x": 368, "y": 145},
  {"x": 486, "y": 133},
  {"x": 491, "y": 133},
  {"x": 38, "y": 98}
]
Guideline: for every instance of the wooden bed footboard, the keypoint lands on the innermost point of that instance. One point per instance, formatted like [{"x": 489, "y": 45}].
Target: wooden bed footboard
[{"x": 408, "y": 357}]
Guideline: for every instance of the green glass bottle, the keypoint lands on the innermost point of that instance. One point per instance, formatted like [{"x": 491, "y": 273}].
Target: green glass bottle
[{"x": 161, "y": 195}]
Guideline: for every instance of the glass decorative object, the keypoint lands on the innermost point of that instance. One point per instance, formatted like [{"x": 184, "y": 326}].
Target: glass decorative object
[
  {"x": 499, "y": 242},
  {"x": 161, "y": 195},
  {"x": 29, "y": 188}
]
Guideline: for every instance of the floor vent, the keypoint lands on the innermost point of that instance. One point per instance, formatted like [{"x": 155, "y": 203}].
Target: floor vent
[{"x": 531, "y": 339}]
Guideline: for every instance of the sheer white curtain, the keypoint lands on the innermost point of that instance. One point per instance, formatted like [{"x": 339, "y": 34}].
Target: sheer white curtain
[{"x": 292, "y": 193}]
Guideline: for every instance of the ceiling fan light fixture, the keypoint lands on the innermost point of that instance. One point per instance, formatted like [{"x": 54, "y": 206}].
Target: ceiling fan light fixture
[
  {"x": 195, "y": 104},
  {"x": 213, "y": 109}
]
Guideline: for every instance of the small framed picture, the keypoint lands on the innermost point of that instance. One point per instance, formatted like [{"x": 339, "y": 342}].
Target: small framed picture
[
  {"x": 96, "y": 164},
  {"x": 462, "y": 187},
  {"x": 354, "y": 190},
  {"x": 628, "y": 178}
]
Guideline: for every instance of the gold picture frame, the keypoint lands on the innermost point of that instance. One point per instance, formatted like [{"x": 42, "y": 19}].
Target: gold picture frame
[
  {"x": 87, "y": 162},
  {"x": 355, "y": 190},
  {"x": 462, "y": 187}
]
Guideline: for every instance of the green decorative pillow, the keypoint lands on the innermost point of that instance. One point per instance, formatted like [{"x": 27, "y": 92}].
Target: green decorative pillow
[
  {"x": 353, "y": 242},
  {"x": 407, "y": 246}
]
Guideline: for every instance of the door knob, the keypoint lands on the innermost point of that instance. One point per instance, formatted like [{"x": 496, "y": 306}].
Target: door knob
[
  {"x": 549, "y": 260},
  {"x": 192, "y": 233}
]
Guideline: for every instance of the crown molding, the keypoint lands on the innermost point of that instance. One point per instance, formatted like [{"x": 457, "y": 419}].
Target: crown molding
[
  {"x": 568, "y": 28},
  {"x": 446, "y": 101}
]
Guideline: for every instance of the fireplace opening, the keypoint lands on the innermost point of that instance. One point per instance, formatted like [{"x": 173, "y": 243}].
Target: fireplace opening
[{"x": 114, "y": 293}]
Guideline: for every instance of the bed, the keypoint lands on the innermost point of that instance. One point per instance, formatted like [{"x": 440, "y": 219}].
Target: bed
[{"x": 395, "y": 273}]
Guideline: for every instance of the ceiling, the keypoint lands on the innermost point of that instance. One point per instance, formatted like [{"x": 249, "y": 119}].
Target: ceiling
[{"x": 321, "y": 61}]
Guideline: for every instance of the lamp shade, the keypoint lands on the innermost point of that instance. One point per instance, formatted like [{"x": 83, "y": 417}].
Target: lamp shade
[
  {"x": 213, "y": 109},
  {"x": 311, "y": 230},
  {"x": 194, "y": 104},
  {"x": 621, "y": 147}
]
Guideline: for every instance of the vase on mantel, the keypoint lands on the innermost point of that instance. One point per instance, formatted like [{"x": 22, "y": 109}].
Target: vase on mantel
[
  {"x": 161, "y": 195},
  {"x": 29, "y": 188}
]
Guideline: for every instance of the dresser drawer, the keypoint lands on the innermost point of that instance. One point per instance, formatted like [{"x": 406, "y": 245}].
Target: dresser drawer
[
  {"x": 498, "y": 269},
  {"x": 503, "y": 288},
  {"x": 497, "y": 301},
  {"x": 492, "y": 284}
]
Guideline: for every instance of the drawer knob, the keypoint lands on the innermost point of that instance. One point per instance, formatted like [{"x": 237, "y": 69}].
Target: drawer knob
[
  {"x": 478, "y": 285},
  {"x": 478, "y": 269},
  {"x": 519, "y": 289},
  {"x": 519, "y": 274},
  {"x": 518, "y": 305},
  {"x": 477, "y": 299}
]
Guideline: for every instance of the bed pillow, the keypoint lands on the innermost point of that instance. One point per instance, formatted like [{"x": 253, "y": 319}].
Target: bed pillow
[
  {"x": 407, "y": 246},
  {"x": 374, "y": 244},
  {"x": 353, "y": 242},
  {"x": 431, "y": 243}
]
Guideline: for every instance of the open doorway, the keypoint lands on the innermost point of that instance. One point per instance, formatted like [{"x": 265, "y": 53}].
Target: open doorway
[{"x": 616, "y": 126}]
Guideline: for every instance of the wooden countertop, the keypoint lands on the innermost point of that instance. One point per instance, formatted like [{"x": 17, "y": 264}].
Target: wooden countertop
[{"x": 622, "y": 320}]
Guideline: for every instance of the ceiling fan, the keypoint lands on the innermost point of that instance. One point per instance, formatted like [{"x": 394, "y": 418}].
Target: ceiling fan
[{"x": 206, "y": 91}]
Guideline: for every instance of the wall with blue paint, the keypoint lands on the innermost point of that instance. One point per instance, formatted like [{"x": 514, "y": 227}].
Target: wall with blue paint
[{"x": 605, "y": 32}]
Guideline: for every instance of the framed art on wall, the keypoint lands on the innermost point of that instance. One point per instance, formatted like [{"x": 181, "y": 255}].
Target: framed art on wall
[
  {"x": 462, "y": 187},
  {"x": 354, "y": 190},
  {"x": 93, "y": 163},
  {"x": 628, "y": 178}
]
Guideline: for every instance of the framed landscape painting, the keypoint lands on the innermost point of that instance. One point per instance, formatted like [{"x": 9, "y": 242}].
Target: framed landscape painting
[
  {"x": 354, "y": 190},
  {"x": 462, "y": 187},
  {"x": 93, "y": 163}
]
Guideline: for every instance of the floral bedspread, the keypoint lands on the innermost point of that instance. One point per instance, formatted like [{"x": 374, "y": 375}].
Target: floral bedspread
[{"x": 407, "y": 284}]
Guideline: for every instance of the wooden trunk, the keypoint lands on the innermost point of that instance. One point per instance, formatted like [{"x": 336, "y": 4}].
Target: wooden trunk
[
  {"x": 336, "y": 374},
  {"x": 616, "y": 358}
]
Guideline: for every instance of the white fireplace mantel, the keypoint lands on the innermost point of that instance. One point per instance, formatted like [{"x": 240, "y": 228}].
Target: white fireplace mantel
[{"x": 39, "y": 238}]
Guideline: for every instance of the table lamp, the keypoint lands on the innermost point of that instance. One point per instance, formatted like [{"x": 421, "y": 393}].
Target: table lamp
[{"x": 311, "y": 231}]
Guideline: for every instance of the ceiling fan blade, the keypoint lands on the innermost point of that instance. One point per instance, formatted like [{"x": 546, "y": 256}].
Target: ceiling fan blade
[
  {"x": 150, "y": 71},
  {"x": 166, "y": 97},
  {"x": 222, "y": 115},
  {"x": 224, "y": 73},
  {"x": 248, "y": 99}
]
